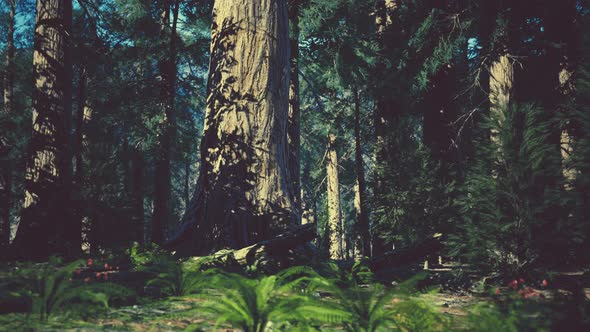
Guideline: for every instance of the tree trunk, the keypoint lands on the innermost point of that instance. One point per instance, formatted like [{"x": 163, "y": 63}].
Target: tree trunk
[
  {"x": 137, "y": 190},
  {"x": 307, "y": 200},
  {"x": 244, "y": 192},
  {"x": 162, "y": 188},
  {"x": 439, "y": 114},
  {"x": 386, "y": 113},
  {"x": 83, "y": 116},
  {"x": 293, "y": 131},
  {"x": 45, "y": 226},
  {"x": 5, "y": 145},
  {"x": 335, "y": 231},
  {"x": 187, "y": 180},
  {"x": 360, "y": 198},
  {"x": 501, "y": 91},
  {"x": 560, "y": 29}
]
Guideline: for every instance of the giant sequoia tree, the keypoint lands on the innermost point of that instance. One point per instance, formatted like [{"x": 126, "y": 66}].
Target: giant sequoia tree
[
  {"x": 244, "y": 191},
  {"x": 45, "y": 223}
]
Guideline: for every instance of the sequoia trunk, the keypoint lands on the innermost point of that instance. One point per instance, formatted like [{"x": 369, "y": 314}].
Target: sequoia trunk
[
  {"x": 244, "y": 191},
  {"x": 45, "y": 223}
]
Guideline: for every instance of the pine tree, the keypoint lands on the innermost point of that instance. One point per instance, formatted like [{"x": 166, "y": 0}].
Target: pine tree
[
  {"x": 293, "y": 130},
  {"x": 168, "y": 72},
  {"x": 360, "y": 198}
]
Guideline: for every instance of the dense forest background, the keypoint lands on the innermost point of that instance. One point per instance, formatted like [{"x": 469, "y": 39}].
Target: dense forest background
[{"x": 407, "y": 119}]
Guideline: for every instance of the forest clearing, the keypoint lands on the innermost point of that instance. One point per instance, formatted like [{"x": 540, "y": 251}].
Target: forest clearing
[{"x": 295, "y": 165}]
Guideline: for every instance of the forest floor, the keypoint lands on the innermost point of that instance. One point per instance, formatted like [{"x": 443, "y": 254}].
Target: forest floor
[
  {"x": 182, "y": 314},
  {"x": 453, "y": 290}
]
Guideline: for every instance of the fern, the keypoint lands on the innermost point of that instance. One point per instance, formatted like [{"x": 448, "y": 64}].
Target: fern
[
  {"x": 174, "y": 278},
  {"x": 50, "y": 288},
  {"x": 253, "y": 304}
]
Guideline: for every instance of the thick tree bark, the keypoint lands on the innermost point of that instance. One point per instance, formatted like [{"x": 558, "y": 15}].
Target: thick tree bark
[
  {"x": 162, "y": 188},
  {"x": 360, "y": 197},
  {"x": 244, "y": 192},
  {"x": 45, "y": 226},
  {"x": 334, "y": 228},
  {"x": 5, "y": 163},
  {"x": 293, "y": 131}
]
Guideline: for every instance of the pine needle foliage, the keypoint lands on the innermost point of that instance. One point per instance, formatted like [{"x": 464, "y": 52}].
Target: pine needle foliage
[{"x": 511, "y": 204}]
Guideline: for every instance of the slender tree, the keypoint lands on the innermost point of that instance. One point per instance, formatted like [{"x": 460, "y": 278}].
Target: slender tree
[
  {"x": 360, "y": 197},
  {"x": 308, "y": 210},
  {"x": 244, "y": 191},
  {"x": 293, "y": 131},
  {"x": 138, "y": 193},
  {"x": 168, "y": 71},
  {"x": 83, "y": 117},
  {"x": 386, "y": 111},
  {"x": 334, "y": 227},
  {"x": 5, "y": 163},
  {"x": 559, "y": 24},
  {"x": 44, "y": 228}
]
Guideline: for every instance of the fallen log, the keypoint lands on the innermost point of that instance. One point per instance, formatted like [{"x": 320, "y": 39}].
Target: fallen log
[
  {"x": 277, "y": 252},
  {"x": 405, "y": 256}
]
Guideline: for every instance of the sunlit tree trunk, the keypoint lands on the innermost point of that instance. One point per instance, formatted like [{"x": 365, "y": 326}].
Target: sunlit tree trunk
[
  {"x": 335, "y": 230},
  {"x": 560, "y": 30},
  {"x": 83, "y": 117},
  {"x": 360, "y": 198},
  {"x": 45, "y": 226},
  {"x": 5, "y": 163},
  {"x": 162, "y": 188},
  {"x": 501, "y": 91},
  {"x": 244, "y": 191},
  {"x": 293, "y": 131}
]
